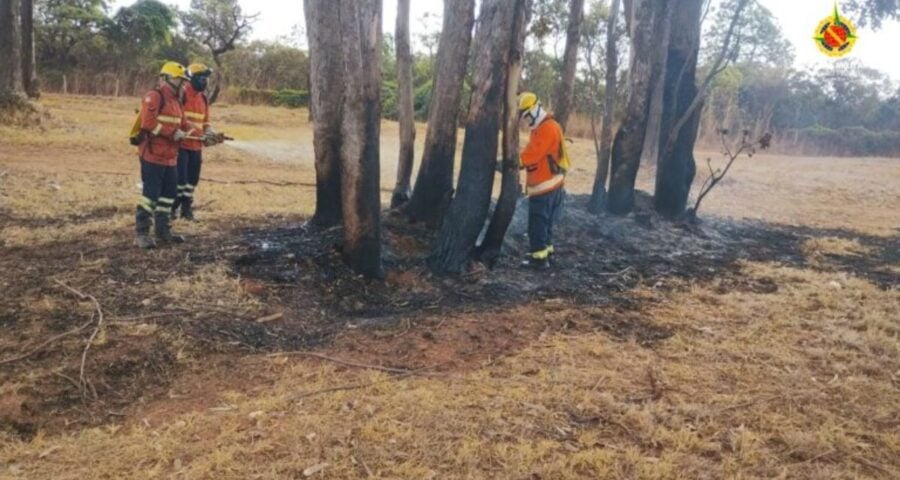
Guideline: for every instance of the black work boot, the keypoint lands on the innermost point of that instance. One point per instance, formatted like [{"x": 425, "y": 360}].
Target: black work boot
[
  {"x": 142, "y": 223},
  {"x": 187, "y": 209},
  {"x": 163, "y": 229}
]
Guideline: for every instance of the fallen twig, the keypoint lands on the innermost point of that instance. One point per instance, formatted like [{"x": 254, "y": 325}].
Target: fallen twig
[
  {"x": 343, "y": 362},
  {"x": 352, "y": 386},
  {"x": 46, "y": 343},
  {"x": 83, "y": 296}
]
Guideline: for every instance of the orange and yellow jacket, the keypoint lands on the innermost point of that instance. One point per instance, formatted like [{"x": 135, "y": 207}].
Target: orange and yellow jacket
[
  {"x": 159, "y": 146},
  {"x": 540, "y": 157},
  {"x": 196, "y": 112}
]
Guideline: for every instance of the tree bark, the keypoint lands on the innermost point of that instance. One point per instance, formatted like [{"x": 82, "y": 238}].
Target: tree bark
[
  {"x": 361, "y": 129},
  {"x": 566, "y": 89},
  {"x": 469, "y": 208},
  {"x": 407, "y": 121},
  {"x": 326, "y": 99},
  {"x": 29, "y": 68},
  {"x": 511, "y": 189},
  {"x": 649, "y": 33},
  {"x": 598, "y": 196},
  {"x": 11, "y": 77},
  {"x": 434, "y": 183},
  {"x": 675, "y": 167}
]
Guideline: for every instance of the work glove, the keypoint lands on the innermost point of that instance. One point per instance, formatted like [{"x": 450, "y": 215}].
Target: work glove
[
  {"x": 211, "y": 138},
  {"x": 179, "y": 135}
]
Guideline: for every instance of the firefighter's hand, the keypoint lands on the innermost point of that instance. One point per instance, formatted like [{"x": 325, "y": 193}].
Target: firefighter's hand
[{"x": 179, "y": 135}]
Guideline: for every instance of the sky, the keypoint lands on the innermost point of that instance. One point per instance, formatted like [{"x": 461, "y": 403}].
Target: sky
[{"x": 798, "y": 20}]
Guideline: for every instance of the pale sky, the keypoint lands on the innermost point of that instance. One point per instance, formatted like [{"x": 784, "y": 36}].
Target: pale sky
[{"x": 798, "y": 20}]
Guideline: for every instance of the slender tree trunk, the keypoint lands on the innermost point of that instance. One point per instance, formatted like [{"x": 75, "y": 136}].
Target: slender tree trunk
[
  {"x": 648, "y": 34},
  {"x": 218, "y": 79},
  {"x": 361, "y": 129},
  {"x": 566, "y": 89},
  {"x": 29, "y": 69},
  {"x": 598, "y": 197},
  {"x": 326, "y": 100},
  {"x": 511, "y": 188},
  {"x": 469, "y": 208},
  {"x": 675, "y": 167},
  {"x": 434, "y": 183},
  {"x": 407, "y": 120},
  {"x": 650, "y": 149},
  {"x": 11, "y": 75}
]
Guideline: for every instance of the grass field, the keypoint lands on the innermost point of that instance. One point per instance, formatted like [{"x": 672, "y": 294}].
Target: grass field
[{"x": 765, "y": 345}]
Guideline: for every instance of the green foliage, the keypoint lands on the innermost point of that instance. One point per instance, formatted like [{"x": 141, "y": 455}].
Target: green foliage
[
  {"x": 274, "y": 98},
  {"x": 849, "y": 141},
  {"x": 758, "y": 39},
  {"x": 872, "y": 12}
]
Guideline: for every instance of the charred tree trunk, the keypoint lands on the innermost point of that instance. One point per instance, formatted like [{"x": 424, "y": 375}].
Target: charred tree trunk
[
  {"x": 29, "y": 68},
  {"x": 648, "y": 27},
  {"x": 675, "y": 167},
  {"x": 434, "y": 183},
  {"x": 407, "y": 120},
  {"x": 566, "y": 89},
  {"x": 511, "y": 188},
  {"x": 469, "y": 208},
  {"x": 598, "y": 196},
  {"x": 11, "y": 76},
  {"x": 361, "y": 129},
  {"x": 326, "y": 94}
]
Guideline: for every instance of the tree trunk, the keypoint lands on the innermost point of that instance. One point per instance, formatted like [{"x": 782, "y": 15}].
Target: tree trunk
[
  {"x": 326, "y": 93},
  {"x": 11, "y": 75},
  {"x": 469, "y": 208},
  {"x": 511, "y": 188},
  {"x": 407, "y": 121},
  {"x": 648, "y": 34},
  {"x": 361, "y": 129},
  {"x": 218, "y": 80},
  {"x": 434, "y": 183},
  {"x": 598, "y": 197},
  {"x": 650, "y": 149},
  {"x": 29, "y": 69},
  {"x": 675, "y": 167},
  {"x": 566, "y": 89}
]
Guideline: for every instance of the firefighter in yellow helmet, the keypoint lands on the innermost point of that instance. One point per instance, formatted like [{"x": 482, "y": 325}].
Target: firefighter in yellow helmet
[
  {"x": 162, "y": 127},
  {"x": 190, "y": 154},
  {"x": 545, "y": 178}
]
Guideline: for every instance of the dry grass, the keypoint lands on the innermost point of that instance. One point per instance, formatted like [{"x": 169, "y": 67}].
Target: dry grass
[{"x": 797, "y": 384}]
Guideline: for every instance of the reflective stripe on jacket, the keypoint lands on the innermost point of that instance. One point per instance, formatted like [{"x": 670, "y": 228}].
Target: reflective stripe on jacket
[
  {"x": 159, "y": 146},
  {"x": 196, "y": 112},
  {"x": 540, "y": 156}
]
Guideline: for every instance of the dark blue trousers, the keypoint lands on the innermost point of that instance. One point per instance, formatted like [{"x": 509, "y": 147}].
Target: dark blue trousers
[
  {"x": 544, "y": 212},
  {"x": 189, "y": 163},
  {"x": 159, "y": 188}
]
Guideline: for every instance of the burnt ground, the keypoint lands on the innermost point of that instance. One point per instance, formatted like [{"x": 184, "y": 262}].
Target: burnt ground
[{"x": 413, "y": 319}]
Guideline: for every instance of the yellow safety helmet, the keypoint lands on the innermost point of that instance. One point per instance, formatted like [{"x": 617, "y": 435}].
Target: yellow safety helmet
[
  {"x": 527, "y": 101},
  {"x": 198, "y": 69},
  {"x": 174, "y": 70}
]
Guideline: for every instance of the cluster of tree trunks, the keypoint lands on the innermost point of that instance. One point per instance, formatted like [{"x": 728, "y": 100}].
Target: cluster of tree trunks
[
  {"x": 345, "y": 40},
  {"x": 598, "y": 195},
  {"x": 661, "y": 118},
  {"x": 499, "y": 31},
  {"x": 434, "y": 182},
  {"x": 17, "y": 69}
]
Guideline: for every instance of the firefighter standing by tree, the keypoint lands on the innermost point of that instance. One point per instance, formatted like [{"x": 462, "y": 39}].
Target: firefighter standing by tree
[
  {"x": 545, "y": 160},
  {"x": 161, "y": 127},
  {"x": 190, "y": 155}
]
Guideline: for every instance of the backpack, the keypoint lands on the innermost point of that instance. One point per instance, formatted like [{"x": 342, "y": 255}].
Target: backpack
[{"x": 137, "y": 135}]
